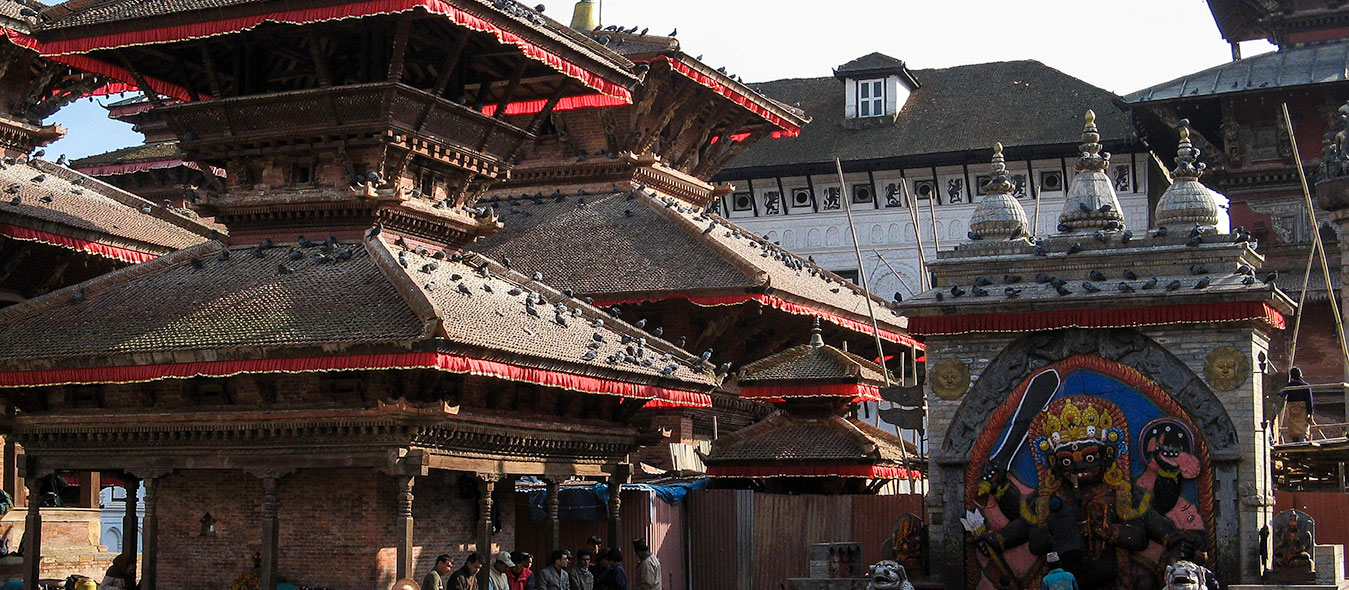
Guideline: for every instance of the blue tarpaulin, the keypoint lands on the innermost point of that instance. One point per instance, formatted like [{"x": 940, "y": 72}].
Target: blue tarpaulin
[{"x": 588, "y": 503}]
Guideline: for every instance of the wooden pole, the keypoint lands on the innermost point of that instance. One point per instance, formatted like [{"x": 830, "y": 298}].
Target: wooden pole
[
  {"x": 1035, "y": 229},
  {"x": 917, "y": 236},
  {"x": 1301, "y": 297},
  {"x": 894, "y": 272},
  {"x": 932, "y": 218}
]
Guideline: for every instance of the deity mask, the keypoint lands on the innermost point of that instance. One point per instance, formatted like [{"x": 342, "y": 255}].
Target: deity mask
[{"x": 1082, "y": 462}]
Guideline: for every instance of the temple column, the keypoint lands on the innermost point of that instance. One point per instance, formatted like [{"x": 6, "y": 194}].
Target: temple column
[
  {"x": 403, "y": 565},
  {"x": 130, "y": 521},
  {"x": 270, "y": 532},
  {"x": 13, "y": 484},
  {"x": 486, "y": 486},
  {"x": 150, "y": 532},
  {"x": 32, "y": 550},
  {"x": 616, "y": 481},
  {"x": 91, "y": 483},
  {"x": 554, "y": 524}
]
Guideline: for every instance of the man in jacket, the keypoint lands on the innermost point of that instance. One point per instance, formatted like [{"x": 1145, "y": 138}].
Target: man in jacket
[
  {"x": 648, "y": 567},
  {"x": 555, "y": 576},
  {"x": 1057, "y": 578},
  {"x": 435, "y": 579},
  {"x": 582, "y": 578},
  {"x": 466, "y": 578}
]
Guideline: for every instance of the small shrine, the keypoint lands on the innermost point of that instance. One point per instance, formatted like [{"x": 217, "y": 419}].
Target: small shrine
[
  {"x": 1094, "y": 392},
  {"x": 814, "y": 443}
]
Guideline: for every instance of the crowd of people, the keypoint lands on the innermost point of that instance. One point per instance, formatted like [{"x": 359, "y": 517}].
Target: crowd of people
[{"x": 591, "y": 568}]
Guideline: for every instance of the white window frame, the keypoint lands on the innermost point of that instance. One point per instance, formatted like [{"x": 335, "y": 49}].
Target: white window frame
[{"x": 870, "y": 98}]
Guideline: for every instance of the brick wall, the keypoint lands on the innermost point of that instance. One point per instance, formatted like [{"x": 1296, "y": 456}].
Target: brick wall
[{"x": 337, "y": 527}]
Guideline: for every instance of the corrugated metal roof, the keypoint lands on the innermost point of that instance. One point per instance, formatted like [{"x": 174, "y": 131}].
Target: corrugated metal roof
[{"x": 1321, "y": 63}]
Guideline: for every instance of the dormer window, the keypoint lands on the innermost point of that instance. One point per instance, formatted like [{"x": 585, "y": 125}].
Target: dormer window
[{"x": 871, "y": 98}]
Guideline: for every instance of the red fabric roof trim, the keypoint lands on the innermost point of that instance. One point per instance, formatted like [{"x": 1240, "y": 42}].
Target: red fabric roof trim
[
  {"x": 29, "y": 42},
  {"x": 789, "y": 129},
  {"x": 776, "y": 303},
  {"x": 867, "y": 471},
  {"x": 410, "y": 360},
  {"x": 1203, "y": 313},
  {"x": 104, "y": 250},
  {"x": 174, "y": 33},
  {"x": 855, "y": 391},
  {"x": 570, "y": 103},
  {"x": 132, "y": 167}
]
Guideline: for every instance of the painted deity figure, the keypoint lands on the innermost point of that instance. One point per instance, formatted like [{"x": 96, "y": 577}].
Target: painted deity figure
[{"x": 1110, "y": 528}]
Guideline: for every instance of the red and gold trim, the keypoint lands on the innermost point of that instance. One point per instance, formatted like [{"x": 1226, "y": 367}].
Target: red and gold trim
[
  {"x": 300, "y": 16},
  {"x": 31, "y": 235},
  {"x": 775, "y": 303},
  {"x": 856, "y": 392},
  {"x": 570, "y": 103},
  {"x": 764, "y": 471},
  {"x": 789, "y": 129},
  {"x": 1160, "y": 315},
  {"x": 97, "y": 67},
  {"x": 410, "y": 360}
]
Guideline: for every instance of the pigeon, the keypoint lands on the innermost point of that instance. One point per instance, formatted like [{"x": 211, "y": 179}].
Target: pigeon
[
  {"x": 1096, "y": 275},
  {"x": 1084, "y": 208},
  {"x": 345, "y": 255},
  {"x": 1075, "y": 248},
  {"x": 974, "y": 235},
  {"x": 1197, "y": 230},
  {"x": 431, "y": 286},
  {"x": 430, "y": 267},
  {"x": 1105, "y": 208},
  {"x": 374, "y": 231},
  {"x": 899, "y": 297},
  {"x": 79, "y": 296},
  {"x": 640, "y": 323},
  {"x": 1130, "y": 274},
  {"x": 1194, "y": 241},
  {"x": 487, "y": 287},
  {"x": 1039, "y": 250},
  {"x": 1125, "y": 287},
  {"x": 1249, "y": 280},
  {"x": 680, "y": 342},
  {"x": 1198, "y": 269},
  {"x": 305, "y": 243},
  {"x": 47, "y": 198},
  {"x": 1042, "y": 278},
  {"x": 61, "y": 160},
  {"x": 588, "y": 356},
  {"x": 265, "y": 244},
  {"x": 724, "y": 368},
  {"x": 982, "y": 281},
  {"x": 1063, "y": 290},
  {"x": 1203, "y": 283},
  {"x": 198, "y": 264},
  {"x": 537, "y": 276},
  {"x": 657, "y": 332},
  {"x": 224, "y": 255},
  {"x": 403, "y": 259},
  {"x": 1100, "y": 236},
  {"x": 1091, "y": 288},
  {"x": 707, "y": 354},
  {"x": 1065, "y": 228},
  {"x": 1161, "y": 231},
  {"x": 1270, "y": 278},
  {"x": 957, "y": 291},
  {"x": 39, "y": 178},
  {"x": 674, "y": 33},
  {"x": 1173, "y": 285},
  {"x": 296, "y": 254},
  {"x": 464, "y": 289},
  {"x": 282, "y": 269},
  {"x": 939, "y": 296},
  {"x": 1127, "y": 236},
  {"x": 978, "y": 291},
  {"x": 1011, "y": 279},
  {"x": 1111, "y": 225},
  {"x": 1150, "y": 283},
  {"x": 1242, "y": 238},
  {"x": 531, "y": 310},
  {"x": 560, "y": 319},
  {"x": 1011, "y": 292}
]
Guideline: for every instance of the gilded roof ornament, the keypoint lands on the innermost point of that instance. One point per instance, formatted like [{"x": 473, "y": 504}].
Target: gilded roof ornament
[
  {"x": 999, "y": 214},
  {"x": 1187, "y": 201},
  {"x": 1091, "y": 203}
]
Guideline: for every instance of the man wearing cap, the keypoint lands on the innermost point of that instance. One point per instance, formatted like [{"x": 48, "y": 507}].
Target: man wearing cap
[
  {"x": 497, "y": 578},
  {"x": 648, "y": 567},
  {"x": 1057, "y": 579},
  {"x": 435, "y": 579}
]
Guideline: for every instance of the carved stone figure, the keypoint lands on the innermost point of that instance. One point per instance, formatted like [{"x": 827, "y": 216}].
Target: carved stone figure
[
  {"x": 888, "y": 575},
  {"x": 1184, "y": 575},
  {"x": 1294, "y": 543},
  {"x": 1226, "y": 368},
  {"x": 949, "y": 378},
  {"x": 908, "y": 542}
]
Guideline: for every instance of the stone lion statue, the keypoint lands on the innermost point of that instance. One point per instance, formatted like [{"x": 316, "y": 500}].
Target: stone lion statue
[
  {"x": 1184, "y": 575},
  {"x": 888, "y": 575}
]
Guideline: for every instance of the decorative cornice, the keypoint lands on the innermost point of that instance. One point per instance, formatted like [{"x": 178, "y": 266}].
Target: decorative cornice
[{"x": 626, "y": 168}]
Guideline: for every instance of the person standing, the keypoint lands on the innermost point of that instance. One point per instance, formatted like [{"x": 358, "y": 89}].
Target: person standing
[
  {"x": 582, "y": 577},
  {"x": 520, "y": 572},
  {"x": 466, "y": 578},
  {"x": 648, "y": 567},
  {"x": 555, "y": 576},
  {"x": 499, "y": 577},
  {"x": 1209, "y": 581},
  {"x": 613, "y": 576},
  {"x": 596, "y": 555},
  {"x": 1057, "y": 578},
  {"x": 438, "y": 576},
  {"x": 1299, "y": 406}
]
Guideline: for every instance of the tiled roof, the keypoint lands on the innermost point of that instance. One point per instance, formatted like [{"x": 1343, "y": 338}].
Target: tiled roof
[
  {"x": 785, "y": 438},
  {"x": 192, "y": 302},
  {"x": 147, "y": 152},
  {"x": 93, "y": 207},
  {"x": 812, "y": 363},
  {"x": 1320, "y": 63},
  {"x": 870, "y": 61},
  {"x": 623, "y": 243},
  {"x": 971, "y": 107}
]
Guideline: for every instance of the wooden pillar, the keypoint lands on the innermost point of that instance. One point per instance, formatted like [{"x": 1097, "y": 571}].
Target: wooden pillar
[
  {"x": 616, "y": 482},
  {"x": 90, "y": 484},
  {"x": 13, "y": 485},
  {"x": 150, "y": 532},
  {"x": 130, "y": 522},
  {"x": 32, "y": 551},
  {"x": 486, "y": 486},
  {"x": 403, "y": 567},
  {"x": 270, "y": 537},
  {"x": 554, "y": 524}
]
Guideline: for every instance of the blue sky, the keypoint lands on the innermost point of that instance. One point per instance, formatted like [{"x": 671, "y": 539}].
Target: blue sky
[{"x": 1119, "y": 46}]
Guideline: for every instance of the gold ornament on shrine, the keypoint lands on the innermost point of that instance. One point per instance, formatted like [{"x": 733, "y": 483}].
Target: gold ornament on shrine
[
  {"x": 949, "y": 378},
  {"x": 1226, "y": 368}
]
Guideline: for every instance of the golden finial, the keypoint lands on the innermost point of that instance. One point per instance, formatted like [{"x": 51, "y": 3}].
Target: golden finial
[
  {"x": 816, "y": 340},
  {"x": 998, "y": 181},
  {"x": 1091, "y": 118},
  {"x": 997, "y": 149},
  {"x": 1092, "y": 156},
  {"x": 1185, "y": 132},
  {"x": 1187, "y": 155}
]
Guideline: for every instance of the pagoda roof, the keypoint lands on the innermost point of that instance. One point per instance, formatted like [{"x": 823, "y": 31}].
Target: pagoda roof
[
  {"x": 792, "y": 445},
  {"x": 816, "y": 362},
  {"x": 1301, "y": 65},
  {"x": 957, "y": 109},
  {"x": 634, "y": 246},
  {"x": 190, "y": 313},
  {"x": 138, "y": 158},
  {"x": 91, "y": 216}
]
